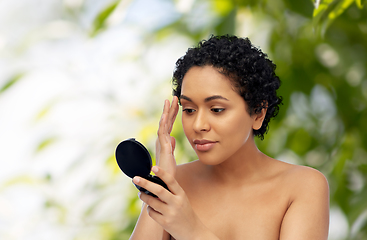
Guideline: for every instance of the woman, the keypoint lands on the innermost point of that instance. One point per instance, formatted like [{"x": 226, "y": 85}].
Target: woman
[{"x": 227, "y": 89}]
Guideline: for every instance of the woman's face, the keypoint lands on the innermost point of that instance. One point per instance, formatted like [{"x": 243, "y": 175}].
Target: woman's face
[{"x": 214, "y": 118}]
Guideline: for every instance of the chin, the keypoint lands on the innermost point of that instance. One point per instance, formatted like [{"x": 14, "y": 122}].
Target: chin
[{"x": 209, "y": 159}]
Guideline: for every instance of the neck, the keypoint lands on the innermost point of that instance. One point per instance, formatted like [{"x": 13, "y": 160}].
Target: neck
[{"x": 245, "y": 165}]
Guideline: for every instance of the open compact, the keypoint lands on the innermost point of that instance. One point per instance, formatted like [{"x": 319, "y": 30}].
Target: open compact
[{"x": 134, "y": 160}]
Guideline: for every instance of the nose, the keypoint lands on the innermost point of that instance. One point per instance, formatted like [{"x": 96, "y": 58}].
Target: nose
[{"x": 201, "y": 122}]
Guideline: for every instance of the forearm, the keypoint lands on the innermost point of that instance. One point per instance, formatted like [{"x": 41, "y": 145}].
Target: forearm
[{"x": 147, "y": 228}]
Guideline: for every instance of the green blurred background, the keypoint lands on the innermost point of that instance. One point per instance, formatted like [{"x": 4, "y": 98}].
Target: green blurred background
[{"x": 79, "y": 76}]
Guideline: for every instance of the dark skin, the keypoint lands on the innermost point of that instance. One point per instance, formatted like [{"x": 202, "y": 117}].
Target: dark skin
[{"x": 233, "y": 191}]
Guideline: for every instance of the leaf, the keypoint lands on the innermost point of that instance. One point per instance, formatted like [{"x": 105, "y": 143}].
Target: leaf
[
  {"x": 22, "y": 179},
  {"x": 11, "y": 82},
  {"x": 45, "y": 143},
  {"x": 339, "y": 9},
  {"x": 320, "y": 8},
  {"x": 359, "y": 4},
  {"x": 45, "y": 110},
  {"x": 327, "y": 12},
  {"x": 99, "y": 21}
]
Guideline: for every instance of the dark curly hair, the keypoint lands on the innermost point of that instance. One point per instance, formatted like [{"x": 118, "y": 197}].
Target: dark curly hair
[{"x": 251, "y": 73}]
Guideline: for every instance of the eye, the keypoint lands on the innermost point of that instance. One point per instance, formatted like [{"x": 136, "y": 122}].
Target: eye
[
  {"x": 188, "y": 110},
  {"x": 217, "y": 110}
]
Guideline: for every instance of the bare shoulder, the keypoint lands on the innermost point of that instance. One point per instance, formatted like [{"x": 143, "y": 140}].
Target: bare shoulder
[
  {"x": 302, "y": 179},
  {"x": 307, "y": 216},
  {"x": 297, "y": 171}
]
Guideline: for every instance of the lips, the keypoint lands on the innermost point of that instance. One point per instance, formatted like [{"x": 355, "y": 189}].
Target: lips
[{"x": 204, "y": 145}]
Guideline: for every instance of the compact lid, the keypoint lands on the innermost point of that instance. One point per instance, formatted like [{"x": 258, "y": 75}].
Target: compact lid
[{"x": 133, "y": 158}]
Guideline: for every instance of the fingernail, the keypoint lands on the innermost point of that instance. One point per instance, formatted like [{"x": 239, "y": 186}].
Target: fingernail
[
  {"x": 155, "y": 169},
  {"x": 136, "y": 180}
]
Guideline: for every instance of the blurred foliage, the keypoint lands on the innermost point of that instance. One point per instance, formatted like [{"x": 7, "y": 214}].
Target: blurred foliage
[
  {"x": 321, "y": 59},
  {"x": 100, "y": 20},
  {"x": 11, "y": 81},
  {"x": 320, "y": 49}
]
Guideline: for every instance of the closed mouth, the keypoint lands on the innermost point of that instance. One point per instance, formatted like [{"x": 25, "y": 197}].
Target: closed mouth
[
  {"x": 203, "y": 141},
  {"x": 204, "y": 145}
]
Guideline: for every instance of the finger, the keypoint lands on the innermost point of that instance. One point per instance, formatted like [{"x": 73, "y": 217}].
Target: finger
[
  {"x": 156, "y": 216},
  {"x": 173, "y": 111},
  {"x": 163, "y": 120},
  {"x": 176, "y": 106},
  {"x": 155, "y": 203},
  {"x": 163, "y": 136},
  {"x": 166, "y": 123},
  {"x": 154, "y": 188},
  {"x": 169, "y": 180},
  {"x": 166, "y": 106},
  {"x": 165, "y": 109}
]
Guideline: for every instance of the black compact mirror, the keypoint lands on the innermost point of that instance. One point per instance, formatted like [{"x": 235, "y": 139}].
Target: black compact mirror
[{"x": 134, "y": 160}]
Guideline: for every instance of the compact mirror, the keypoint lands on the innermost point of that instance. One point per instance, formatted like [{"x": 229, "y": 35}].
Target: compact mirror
[{"x": 134, "y": 160}]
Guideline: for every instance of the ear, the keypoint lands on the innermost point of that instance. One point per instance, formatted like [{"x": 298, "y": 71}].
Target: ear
[{"x": 258, "y": 119}]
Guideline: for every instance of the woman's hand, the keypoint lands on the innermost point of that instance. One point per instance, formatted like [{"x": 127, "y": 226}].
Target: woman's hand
[
  {"x": 172, "y": 210},
  {"x": 165, "y": 144}
]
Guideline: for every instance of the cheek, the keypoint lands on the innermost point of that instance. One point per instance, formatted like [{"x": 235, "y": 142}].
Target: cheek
[
  {"x": 237, "y": 128},
  {"x": 185, "y": 125}
]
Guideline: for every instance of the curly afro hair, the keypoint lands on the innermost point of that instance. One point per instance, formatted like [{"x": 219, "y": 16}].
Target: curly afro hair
[{"x": 250, "y": 71}]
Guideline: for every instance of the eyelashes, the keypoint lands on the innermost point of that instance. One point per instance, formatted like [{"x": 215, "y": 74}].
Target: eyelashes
[
  {"x": 188, "y": 110},
  {"x": 217, "y": 110},
  {"x": 214, "y": 110}
]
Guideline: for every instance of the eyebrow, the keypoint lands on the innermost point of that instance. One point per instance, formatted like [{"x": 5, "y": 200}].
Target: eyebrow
[{"x": 208, "y": 99}]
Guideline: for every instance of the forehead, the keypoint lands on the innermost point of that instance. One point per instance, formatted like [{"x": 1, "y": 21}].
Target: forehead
[{"x": 206, "y": 80}]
